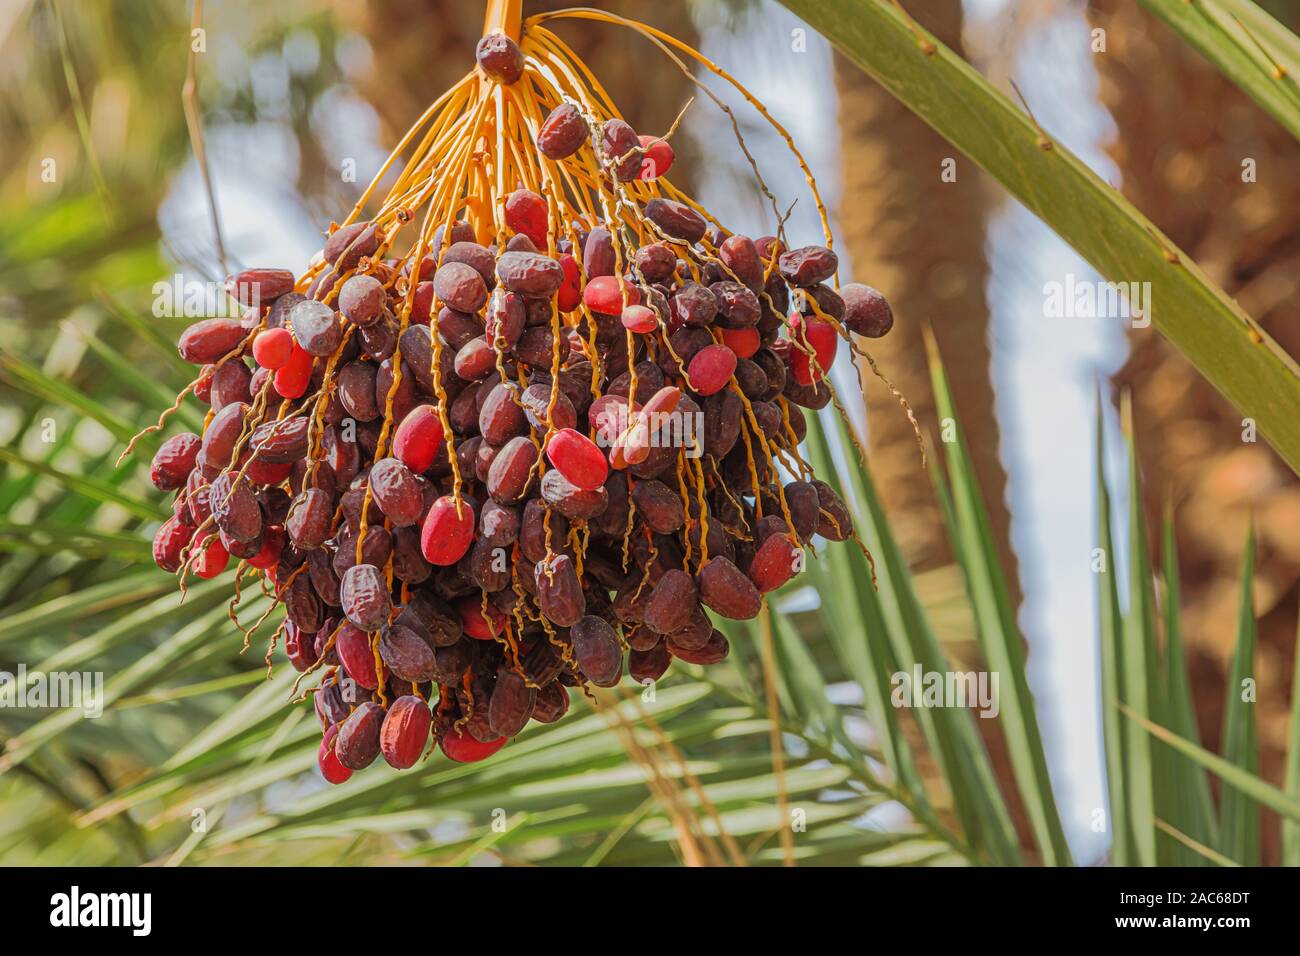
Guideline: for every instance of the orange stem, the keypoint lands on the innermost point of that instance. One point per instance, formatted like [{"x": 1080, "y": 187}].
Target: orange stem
[{"x": 504, "y": 16}]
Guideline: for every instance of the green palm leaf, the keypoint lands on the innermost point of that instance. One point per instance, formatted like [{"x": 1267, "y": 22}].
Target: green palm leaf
[
  {"x": 999, "y": 637},
  {"x": 1239, "y": 814},
  {"x": 1248, "y": 46}
]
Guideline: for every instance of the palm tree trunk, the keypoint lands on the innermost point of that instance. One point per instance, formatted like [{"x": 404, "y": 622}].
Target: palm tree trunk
[{"x": 920, "y": 240}]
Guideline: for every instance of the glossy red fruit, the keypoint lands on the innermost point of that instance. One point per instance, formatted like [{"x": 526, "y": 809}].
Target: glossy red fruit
[
  {"x": 610, "y": 416},
  {"x": 866, "y": 311},
  {"x": 422, "y": 303},
  {"x": 328, "y": 760},
  {"x": 662, "y": 402},
  {"x": 639, "y": 318},
  {"x": 169, "y": 541},
  {"x": 356, "y": 655},
  {"x": 418, "y": 438},
  {"x": 775, "y": 562},
  {"x": 212, "y": 557},
  {"x": 510, "y": 473},
  {"x": 711, "y": 368},
  {"x": 292, "y": 378},
  {"x": 174, "y": 461},
  {"x": 676, "y": 219},
  {"x": 620, "y": 147},
  {"x": 473, "y": 621},
  {"x": 527, "y": 214},
  {"x": 273, "y": 348},
  {"x": 724, "y": 589},
  {"x": 500, "y": 58},
  {"x": 209, "y": 339},
  {"x": 268, "y": 555},
  {"x": 255, "y": 288},
  {"x": 447, "y": 532},
  {"x": 563, "y": 133},
  {"x": 462, "y": 748},
  {"x": 405, "y": 731},
  {"x": 604, "y": 296},
  {"x": 203, "y": 384},
  {"x": 634, "y": 445},
  {"x": 819, "y": 337},
  {"x": 578, "y": 459},
  {"x": 299, "y": 647},
  {"x": 570, "y": 293},
  {"x": 744, "y": 342},
  {"x": 357, "y": 744},
  {"x": 658, "y": 159}
]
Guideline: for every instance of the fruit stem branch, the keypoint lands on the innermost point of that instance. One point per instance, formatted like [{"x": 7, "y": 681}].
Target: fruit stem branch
[{"x": 504, "y": 16}]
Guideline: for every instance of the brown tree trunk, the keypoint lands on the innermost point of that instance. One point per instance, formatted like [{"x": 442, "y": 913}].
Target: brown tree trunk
[
  {"x": 920, "y": 240},
  {"x": 1186, "y": 135}
]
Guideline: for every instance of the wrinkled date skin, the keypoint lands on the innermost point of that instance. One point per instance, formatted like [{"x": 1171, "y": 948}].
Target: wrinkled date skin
[
  {"x": 559, "y": 593},
  {"x": 727, "y": 591},
  {"x": 309, "y": 518},
  {"x": 596, "y": 647},
  {"x": 563, "y": 133},
  {"x": 676, "y": 219},
  {"x": 365, "y": 597},
  {"x": 529, "y": 273},
  {"x": 357, "y": 743},
  {"x": 671, "y": 602},
  {"x": 406, "y": 654},
  {"x": 397, "y": 492},
  {"x": 512, "y": 704}
]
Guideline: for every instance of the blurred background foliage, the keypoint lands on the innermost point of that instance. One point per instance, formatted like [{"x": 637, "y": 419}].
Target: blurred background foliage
[{"x": 194, "y": 731}]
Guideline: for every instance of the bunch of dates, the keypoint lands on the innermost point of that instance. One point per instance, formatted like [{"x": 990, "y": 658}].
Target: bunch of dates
[{"x": 480, "y": 480}]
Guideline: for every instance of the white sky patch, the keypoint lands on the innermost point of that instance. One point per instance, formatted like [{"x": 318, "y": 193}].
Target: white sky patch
[{"x": 1046, "y": 372}]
